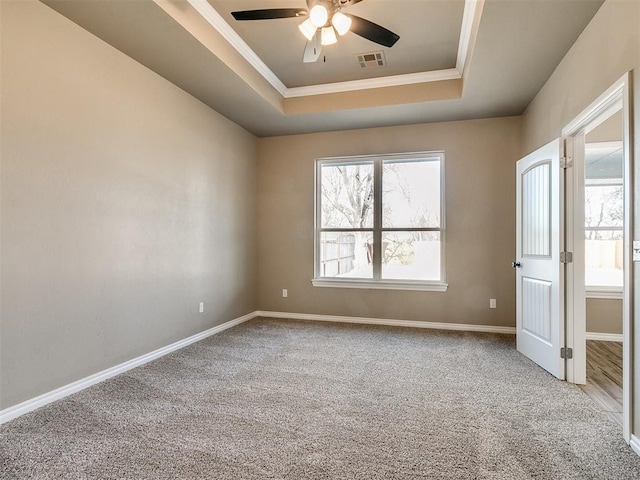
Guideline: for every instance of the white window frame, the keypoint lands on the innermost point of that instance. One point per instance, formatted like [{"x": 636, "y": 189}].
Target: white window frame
[
  {"x": 603, "y": 291},
  {"x": 376, "y": 282}
]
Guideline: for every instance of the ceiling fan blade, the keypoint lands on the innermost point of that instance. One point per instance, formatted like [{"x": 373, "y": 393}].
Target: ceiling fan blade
[
  {"x": 269, "y": 14},
  {"x": 373, "y": 31},
  {"x": 313, "y": 49},
  {"x": 348, "y": 3}
]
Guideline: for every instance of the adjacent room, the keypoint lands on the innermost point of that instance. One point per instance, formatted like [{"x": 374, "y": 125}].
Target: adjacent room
[{"x": 319, "y": 239}]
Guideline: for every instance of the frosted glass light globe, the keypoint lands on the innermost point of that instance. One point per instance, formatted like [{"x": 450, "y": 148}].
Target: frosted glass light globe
[
  {"x": 328, "y": 36},
  {"x": 319, "y": 15},
  {"x": 308, "y": 29},
  {"x": 341, "y": 22}
]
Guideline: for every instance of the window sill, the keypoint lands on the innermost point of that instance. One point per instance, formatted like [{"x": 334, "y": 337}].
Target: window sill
[
  {"x": 611, "y": 293},
  {"x": 385, "y": 285}
]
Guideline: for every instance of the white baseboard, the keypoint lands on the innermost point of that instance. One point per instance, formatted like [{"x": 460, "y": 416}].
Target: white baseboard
[
  {"x": 46, "y": 398},
  {"x": 66, "y": 390},
  {"x": 604, "y": 337},
  {"x": 390, "y": 322},
  {"x": 635, "y": 444}
]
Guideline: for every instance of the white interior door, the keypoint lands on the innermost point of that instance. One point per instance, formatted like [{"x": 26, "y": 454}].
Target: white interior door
[{"x": 539, "y": 276}]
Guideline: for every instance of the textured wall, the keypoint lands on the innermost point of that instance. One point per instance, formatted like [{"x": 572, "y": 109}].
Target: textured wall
[
  {"x": 125, "y": 202},
  {"x": 480, "y": 222},
  {"x": 607, "y": 49}
]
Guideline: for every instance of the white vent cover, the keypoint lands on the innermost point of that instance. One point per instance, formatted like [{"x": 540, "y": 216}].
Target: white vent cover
[{"x": 371, "y": 60}]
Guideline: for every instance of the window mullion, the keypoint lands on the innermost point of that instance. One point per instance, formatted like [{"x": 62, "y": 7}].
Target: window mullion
[{"x": 377, "y": 219}]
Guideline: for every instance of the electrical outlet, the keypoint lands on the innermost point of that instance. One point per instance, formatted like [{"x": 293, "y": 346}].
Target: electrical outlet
[
  {"x": 492, "y": 303},
  {"x": 284, "y": 293},
  {"x": 201, "y": 308}
]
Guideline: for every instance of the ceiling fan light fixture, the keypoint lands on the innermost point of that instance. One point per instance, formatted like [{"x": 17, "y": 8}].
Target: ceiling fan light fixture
[
  {"x": 308, "y": 29},
  {"x": 319, "y": 15},
  {"x": 341, "y": 23},
  {"x": 328, "y": 36}
]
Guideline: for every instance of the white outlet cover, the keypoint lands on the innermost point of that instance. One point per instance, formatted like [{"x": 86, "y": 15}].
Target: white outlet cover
[{"x": 201, "y": 307}]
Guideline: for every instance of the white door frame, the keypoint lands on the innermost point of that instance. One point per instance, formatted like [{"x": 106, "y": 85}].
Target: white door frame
[{"x": 615, "y": 98}]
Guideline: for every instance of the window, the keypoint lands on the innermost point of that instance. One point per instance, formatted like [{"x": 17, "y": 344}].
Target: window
[
  {"x": 603, "y": 219},
  {"x": 379, "y": 222}
]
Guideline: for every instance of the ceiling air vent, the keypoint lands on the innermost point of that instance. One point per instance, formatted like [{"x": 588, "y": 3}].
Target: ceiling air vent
[{"x": 371, "y": 60}]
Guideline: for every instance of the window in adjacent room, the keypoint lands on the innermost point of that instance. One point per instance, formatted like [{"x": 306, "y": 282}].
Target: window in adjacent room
[
  {"x": 604, "y": 217},
  {"x": 380, "y": 222}
]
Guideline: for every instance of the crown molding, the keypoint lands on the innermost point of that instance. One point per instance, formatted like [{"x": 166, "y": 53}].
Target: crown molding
[
  {"x": 391, "y": 81},
  {"x": 210, "y": 14},
  {"x": 470, "y": 20}
]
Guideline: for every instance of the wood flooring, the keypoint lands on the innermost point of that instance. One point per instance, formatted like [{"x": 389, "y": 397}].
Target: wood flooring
[{"x": 604, "y": 377}]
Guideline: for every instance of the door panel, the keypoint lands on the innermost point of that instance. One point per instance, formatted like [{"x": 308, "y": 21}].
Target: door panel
[
  {"x": 536, "y": 302},
  {"x": 539, "y": 276},
  {"x": 536, "y": 214}
]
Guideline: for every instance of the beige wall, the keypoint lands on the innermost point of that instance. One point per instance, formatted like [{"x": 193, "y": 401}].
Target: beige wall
[
  {"x": 604, "y": 315},
  {"x": 608, "y": 47},
  {"x": 608, "y": 131},
  {"x": 480, "y": 222},
  {"x": 125, "y": 202}
]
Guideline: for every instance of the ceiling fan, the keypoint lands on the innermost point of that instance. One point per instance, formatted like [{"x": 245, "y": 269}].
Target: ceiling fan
[{"x": 324, "y": 19}]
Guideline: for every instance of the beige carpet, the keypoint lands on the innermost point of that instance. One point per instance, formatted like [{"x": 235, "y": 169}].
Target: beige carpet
[{"x": 275, "y": 399}]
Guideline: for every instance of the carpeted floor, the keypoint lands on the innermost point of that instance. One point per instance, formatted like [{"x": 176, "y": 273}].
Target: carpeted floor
[{"x": 301, "y": 400}]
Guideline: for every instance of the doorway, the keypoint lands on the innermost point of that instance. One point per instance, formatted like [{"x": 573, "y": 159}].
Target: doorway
[
  {"x": 598, "y": 231},
  {"x": 604, "y": 263}
]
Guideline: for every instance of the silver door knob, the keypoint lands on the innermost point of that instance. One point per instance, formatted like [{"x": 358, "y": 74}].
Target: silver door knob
[{"x": 516, "y": 264}]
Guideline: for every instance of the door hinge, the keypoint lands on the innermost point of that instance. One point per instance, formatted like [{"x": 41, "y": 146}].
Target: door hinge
[
  {"x": 566, "y": 353},
  {"x": 566, "y": 162},
  {"x": 566, "y": 257}
]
